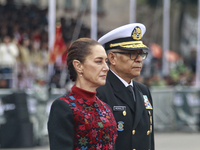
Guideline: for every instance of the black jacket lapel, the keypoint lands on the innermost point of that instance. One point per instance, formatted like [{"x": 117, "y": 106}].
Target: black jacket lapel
[
  {"x": 120, "y": 90},
  {"x": 139, "y": 106}
]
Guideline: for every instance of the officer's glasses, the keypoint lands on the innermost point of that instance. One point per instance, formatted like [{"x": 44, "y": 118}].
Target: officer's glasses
[{"x": 134, "y": 54}]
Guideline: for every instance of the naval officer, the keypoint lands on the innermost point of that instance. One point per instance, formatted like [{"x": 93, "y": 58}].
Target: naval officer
[{"x": 131, "y": 101}]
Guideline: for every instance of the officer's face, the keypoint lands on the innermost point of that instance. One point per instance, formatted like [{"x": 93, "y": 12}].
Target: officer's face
[
  {"x": 95, "y": 67},
  {"x": 125, "y": 67}
]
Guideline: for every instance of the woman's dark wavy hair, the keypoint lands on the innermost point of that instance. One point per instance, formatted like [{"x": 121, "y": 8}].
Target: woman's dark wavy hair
[{"x": 79, "y": 50}]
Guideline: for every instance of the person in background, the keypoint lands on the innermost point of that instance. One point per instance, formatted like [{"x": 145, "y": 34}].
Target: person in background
[
  {"x": 8, "y": 53},
  {"x": 80, "y": 120},
  {"x": 40, "y": 116},
  {"x": 3, "y": 83},
  {"x": 8, "y": 59},
  {"x": 131, "y": 101}
]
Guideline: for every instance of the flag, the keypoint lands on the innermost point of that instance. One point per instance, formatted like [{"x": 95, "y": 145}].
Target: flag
[{"x": 59, "y": 45}]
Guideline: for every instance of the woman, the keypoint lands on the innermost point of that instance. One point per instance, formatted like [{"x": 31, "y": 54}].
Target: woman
[{"x": 79, "y": 120}]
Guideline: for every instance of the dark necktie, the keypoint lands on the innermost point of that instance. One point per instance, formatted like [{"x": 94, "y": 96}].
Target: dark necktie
[{"x": 130, "y": 88}]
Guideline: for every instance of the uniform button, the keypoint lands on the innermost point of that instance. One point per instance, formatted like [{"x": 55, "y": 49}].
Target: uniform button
[
  {"x": 148, "y": 132},
  {"x": 149, "y": 113},
  {"x": 103, "y": 120},
  {"x": 134, "y": 149},
  {"x": 133, "y": 132},
  {"x": 107, "y": 138},
  {"x": 150, "y": 127},
  {"x": 124, "y": 113},
  {"x": 96, "y": 105}
]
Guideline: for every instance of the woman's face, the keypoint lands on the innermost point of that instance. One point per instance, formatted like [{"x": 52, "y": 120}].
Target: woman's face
[{"x": 95, "y": 67}]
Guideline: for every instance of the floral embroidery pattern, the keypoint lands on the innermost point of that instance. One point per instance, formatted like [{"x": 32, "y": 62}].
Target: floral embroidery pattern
[
  {"x": 94, "y": 132},
  {"x": 83, "y": 141},
  {"x": 94, "y": 124}
]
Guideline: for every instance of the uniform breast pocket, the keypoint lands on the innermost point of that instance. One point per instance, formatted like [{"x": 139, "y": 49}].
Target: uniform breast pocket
[
  {"x": 120, "y": 112},
  {"x": 123, "y": 117}
]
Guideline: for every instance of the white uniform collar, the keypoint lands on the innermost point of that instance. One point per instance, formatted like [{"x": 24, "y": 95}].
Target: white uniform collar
[{"x": 122, "y": 80}]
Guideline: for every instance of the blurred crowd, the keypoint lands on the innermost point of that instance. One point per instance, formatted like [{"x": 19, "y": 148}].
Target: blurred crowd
[
  {"x": 24, "y": 56},
  {"x": 23, "y": 44}
]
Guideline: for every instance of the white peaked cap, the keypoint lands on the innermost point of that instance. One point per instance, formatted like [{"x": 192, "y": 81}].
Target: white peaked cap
[{"x": 125, "y": 37}]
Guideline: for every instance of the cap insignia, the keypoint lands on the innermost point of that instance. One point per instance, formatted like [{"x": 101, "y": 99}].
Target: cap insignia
[{"x": 137, "y": 33}]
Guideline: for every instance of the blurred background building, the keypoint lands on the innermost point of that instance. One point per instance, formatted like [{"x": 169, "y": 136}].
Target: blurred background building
[{"x": 28, "y": 63}]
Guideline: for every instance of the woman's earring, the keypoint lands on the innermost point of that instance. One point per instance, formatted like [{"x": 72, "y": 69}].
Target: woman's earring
[{"x": 81, "y": 74}]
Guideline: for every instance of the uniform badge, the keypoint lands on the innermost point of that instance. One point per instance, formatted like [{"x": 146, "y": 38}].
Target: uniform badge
[
  {"x": 147, "y": 103},
  {"x": 119, "y": 108},
  {"x": 120, "y": 126}
]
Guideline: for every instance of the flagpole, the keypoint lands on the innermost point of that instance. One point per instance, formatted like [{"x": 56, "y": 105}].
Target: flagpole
[
  {"x": 78, "y": 24},
  {"x": 166, "y": 22},
  {"x": 94, "y": 19},
  {"x": 132, "y": 11},
  {"x": 198, "y": 50},
  {"x": 51, "y": 33}
]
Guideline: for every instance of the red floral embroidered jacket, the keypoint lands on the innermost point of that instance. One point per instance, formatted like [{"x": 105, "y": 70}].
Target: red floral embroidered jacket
[{"x": 80, "y": 121}]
